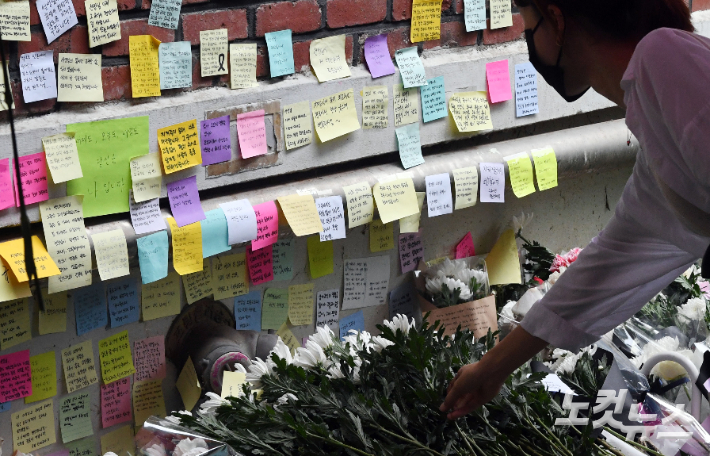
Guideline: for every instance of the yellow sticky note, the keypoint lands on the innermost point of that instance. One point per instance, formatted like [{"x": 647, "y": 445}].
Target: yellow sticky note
[
  {"x": 300, "y": 304},
  {"x": 328, "y": 58},
  {"x": 301, "y": 214},
  {"x": 148, "y": 400},
  {"x": 33, "y": 427},
  {"x": 146, "y": 176},
  {"x": 54, "y": 317},
  {"x": 381, "y": 236},
  {"x": 180, "y": 146},
  {"x": 15, "y": 325},
  {"x": 284, "y": 332},
  {"x": 188, "y": 385},
  {"x": 79, "y": 78},
  {"x": 145, "y": 72},
  {"x": 230, "y": 276},
  {"x": 471, "y": 111},
  {"x": 103, "y": 23},
  {"x": 501, "y": 14},
  {"x": 502, "y": 262},
  {"x": 298, "y": 125},
  {"x": 15, "y": 22},
  {"x": 13, "y": 252},
  {"x": 242, "y": 63},
  {"x": 375, "y": 107},
  {"x": 521, "y": 174},
  {"x": 115, "y": 357},
  {"x": 545, "y": 168},
  {"x": 214, "y": 45},
  {"x": 62, "y": 157},
  {"x": 361, "y": 206},
  {"x": 79, "y": 367},
  {"x": 466, "y": 183},
  {"x": 111, "y": 251},
  {"x": 198, "y": 285},
  {"x": 274, "y": 311},
  {"x": 406, "y": 105},
  {"x": 426, "y": 20},
  {"x": 411, "y": 224},
  {"x": 119, "y": 442},
  {"x": 44, "y": 377},
  {"x": 162, "y": 298},
  {"x": 10, "y": 288},
  {"x": 187, "y": 247},
  {"x": 395, "y": 199},
  {"x": 335, "y": 115},
  {"x": 320, "y": 257},
  {"x": 232, "y": 383}
]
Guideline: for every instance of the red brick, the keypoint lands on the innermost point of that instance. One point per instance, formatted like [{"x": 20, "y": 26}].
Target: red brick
[
  {"x": 116, "y": 82},
  {"x": 402, "y": 9},
  {"x": 398, "y": 39},
  {"x": 145, "y": 4},
  {"x": 453, "y": 34},
  {"x": 235, "y": 21},
  {"x": 37, "y": 107},
  {"x": 701, "y": 5},
  {"x": 300, "y": 16},
  {"x": 75, "y": 40},
  {"x": 506, "y": 34},
  {"x": 458, "y": 7},
  {"x": 345, "y": 13},
  {"x": 136, "y": 27},
  {"x": 197, "y": 80},
  {"x": 262, "y": 62}
]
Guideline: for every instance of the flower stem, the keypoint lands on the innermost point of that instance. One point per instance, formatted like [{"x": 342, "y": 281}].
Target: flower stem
[
  {"x": 412, "y": 441},
  {"x": 631, "y": 442},
  {"x": 340, "y": 444}
]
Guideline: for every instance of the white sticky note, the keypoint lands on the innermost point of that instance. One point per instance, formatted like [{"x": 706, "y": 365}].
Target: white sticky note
[
  {"x": 492, "y": 183},
  {"x": 438, "y": 194},
  {"x": 146, "y": 216},
  {"x": 111, "y": 254},
  {"x": 241, "y": 221},
  {"x": 39, "y": 80},
  {"x": 365, "y": 282},
  {"x": 57, "y": 17},
  {"x": 525, "y": 90},
  {"x": 332, "y": 216}
]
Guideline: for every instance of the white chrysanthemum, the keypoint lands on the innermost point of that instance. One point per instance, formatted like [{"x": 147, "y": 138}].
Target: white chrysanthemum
[
  {"x": 284, "y": 400},
  {"x": 324, "y": 337},
  {"x": 175, "y": 419},
  {"x": 507, "y": 311},
  {"x": 555, "y": 276},
  {"x": 310, "y": 356},
  {"x": 451, "y": 267},
  {"x": 157, "y": 449},
  {"x": 210, "y": 406},
  {"x": 436, "y": 284},
  {"x": 257, "y": 369},
  {"x": 663, "y": 369},
  {"x": 693, "y": 310},
  {"x": 282, "y": 351},
  {"x": 357, "y": 340},
  {"x": 239, "y": 367},
  {"x": 466, "y": 275},
  {"x": 187, "y": 447},
  {"x": 566, "y": 361},
  {"x": 20, "y": 453},
  {"x": 335, "y": 372},
  {"x": 519, "y": 224},
  {"x": 399, "y": 322},
  {"x": 380, "y": 343}
]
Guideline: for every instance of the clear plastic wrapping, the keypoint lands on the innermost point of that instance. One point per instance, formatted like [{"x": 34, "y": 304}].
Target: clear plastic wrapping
[{"x": 161, "y": 437}]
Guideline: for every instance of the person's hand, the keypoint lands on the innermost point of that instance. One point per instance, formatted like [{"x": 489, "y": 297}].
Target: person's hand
[{"x": 472, "y": 387}]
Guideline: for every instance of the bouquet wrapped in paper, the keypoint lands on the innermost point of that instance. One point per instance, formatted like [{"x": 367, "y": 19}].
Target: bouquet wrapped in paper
[{"x": 164, "y": 437}]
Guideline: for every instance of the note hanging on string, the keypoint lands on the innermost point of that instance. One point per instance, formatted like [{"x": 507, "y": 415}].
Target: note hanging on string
[
  {"x": 330, "y": 210},
  {"x": 187, "y": 247},
  {"x": 377, "y": 56},
  {"x": 375, "y": 107},
  {"x": 53, "y": 319},
  {"x": 103, "y": 23},
  {"x": 15, "y": 376},
  {"x": 39, "y": 81},
  {"x": 492, "y": 183},
  {"x": 146, "y": 176},
  {"x": 44, "y": 377},
  {"x": 63, "y": 225},
  {"x": 80, "y": 78},
  {"x": 62, "y": 157},
  {"x": 148, "y": 400},
  {"x": 365, "y": 282},
  {"x": 282, "y": 254},
  {"x": 15, "y": 20},
  {"x": 360, "y": 204},
  {"x": 241, "y": 221},
  {"x": 115, "y": 357},
  {"x": 320, "y": 257},
  {"x": 395, "y": 199},
  {"x": 230, "y": 274},
  {"x": 328, "y": 58},
  {"x": 406, "y": 105},
  {"x": 354, "y": 322},
  {"x": 411, "y": 224},
  {"x": 381, "y": 236},
  {"x": 199, "y": 285},
  {"x": 526, "y": 101},
  {"x": 214, "y": 46},
  {"x": 426, "y": 20},
  {"x": 74, "y": 420},
  {"x": 145, "y": 66},
  {"x": 179, "y": 146},
  {"x": 433, "y": 99},
  {"x": 280, "y": 46},
  {"x": 297, "y": 124},
  {"x": 501, "y": 14},
  {"x": 185, "y": 201},
  {"x": 111, "y": 254},
  {"x": 120, "y": 442},
  {"x": 498, "y": 81},
  {"x": 328, "y": 309},
  {"x": 33, "y": 427},
  {"x": 335, "y": 115},
  {"x": 153, "y": 256},
  {"x": 162, "y": 298},
  {"x": 260, "y": 264},
  {"x": 146, "y": 216},
  {"x": 165, "y": 13},
  {"x": 411, "y": 67},
  {"x": 232, "y": 383},
  {"x": 214, "y": 234},
  {"x": 90, "y": 308},
  {"x": 411, "y": 251},
  {"x": 215, "y": 140},
  {"x": 474, "y": 15},
  {"x": 13, "y": 252},
  {"x": 300, "y": 304},
  {"x": 465, "y": 248},
  {"x": 466, "y": 183},
  {"x": 471, "y": 111},
  {"x": 520, "y": 169},
  {"x": 175, "y": 62},
  {"x": 410, "y": 147},
  {"x": 242, "y": 64},
  {"x": 267, "y": 223},
  {"x": 149, "y": 358},
  {"x": 79, "y": 367},
  {"x": 403, "y": 300},
  {"x": 15, "y": 325},
  {"x": 123, "y": 305},
  {"x": 188, "y": 385},
  {"x": 33, "y": 174},
  {"x": 438, "y": 195},
  {"x": 502, "y": 262},
  {"x": 247, "y": 311},
  {"x": 251, "y": 131},
  {"x": 545, "y": 168},
  {"x": 274, "y": 311},
  {"x": 7, "y": 191},
  {"x": 106, "y": 148},
  {"x": 301, "y": 214}
]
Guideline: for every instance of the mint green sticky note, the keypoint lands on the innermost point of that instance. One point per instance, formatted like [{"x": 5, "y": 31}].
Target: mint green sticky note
[
  {"x": 214, "y": 234},
  {"x": 274, "y": 310},
  {"x": 410, "y": 146},
  {"x": 175, "y": 61},
  {"x": 280, "y": 47},
  {"x": 153, "y": 256},
  {"x": 411, "y": 67},
  {"x": 433, "y": 99}
]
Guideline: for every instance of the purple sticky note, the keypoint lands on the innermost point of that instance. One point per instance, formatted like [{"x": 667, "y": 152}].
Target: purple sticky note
[
  {"x": 377, "y": 55},
  {"x": 215, "y": 140},
  {"x": 185, "y": 201}
]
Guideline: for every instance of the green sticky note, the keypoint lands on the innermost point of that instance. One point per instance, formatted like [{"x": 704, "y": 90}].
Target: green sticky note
[
  {"x": 320, "y": 257},
  {"x": 83, "y": 447},
  {"x": 433, "y": 99},
  {"x": 280, "y": 46},
  {"x": 153, "y": 256},
  {"x": 105, "y": 151},
  {"x": 74, "y": 419},
  {"x": 283, "y": 259},
  {"x": 274, "y": 308},
  {"x": 214, "y": 234}
]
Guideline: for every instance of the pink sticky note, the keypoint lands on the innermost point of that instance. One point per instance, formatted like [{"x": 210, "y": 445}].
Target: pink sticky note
[
  {"x": 465, "y": 248},
  {"x": 252, "y": 133},
  {"x": 185, "y": 201},
  {"x": 267, "y": 225},
  {"x": 149, "y": 358},
  {"x": 116, "y": 402},
  {"x": 498, "y": 78},
  {"x": 261, "y": 265},
  {"x": 15, "y": 376},
  {"x": 6, "y": 190},
  {"x": 411, "y": 251},
  {"x": 33, "y": 172}
]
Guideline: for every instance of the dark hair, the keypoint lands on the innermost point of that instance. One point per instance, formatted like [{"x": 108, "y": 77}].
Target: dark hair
[{"x": 622, "y": 19}]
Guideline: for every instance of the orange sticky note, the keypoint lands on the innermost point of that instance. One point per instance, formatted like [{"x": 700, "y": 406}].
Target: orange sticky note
[{"x": 13, "y": 252}]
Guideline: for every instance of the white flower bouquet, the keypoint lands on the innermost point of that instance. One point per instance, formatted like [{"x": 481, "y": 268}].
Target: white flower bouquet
[{"x": 166, "y": 437}]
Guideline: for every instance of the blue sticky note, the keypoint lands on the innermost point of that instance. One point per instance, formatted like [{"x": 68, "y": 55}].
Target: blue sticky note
[
  {"x": 411, "y": 67},
  {"x": 280, "y": 47},
  {"x": 165, "y": 13},
  {"x": 474, "y": 15},
  {"x": 175, "y": 61},
  {"x": 526, "y": 90},
  {"x": 247, "y": 311},
  {"x": 410, "y": 145},
  {"x": 4, "y": 406},
  {"x": 123, "y": 304},
  {"x": 90, "y": 308},
  {"x": 153, "y": 256},
  {"x": 433, "y": 99},
  {"x": 355, "y": 321},
  {"x": 403, "y": 300},
  {"x": 283, "y": 259},
  {"x": 214, "y": 234}
]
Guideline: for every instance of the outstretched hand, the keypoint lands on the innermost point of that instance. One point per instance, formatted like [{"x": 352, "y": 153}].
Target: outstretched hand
[{"x": 471, "y": 388}]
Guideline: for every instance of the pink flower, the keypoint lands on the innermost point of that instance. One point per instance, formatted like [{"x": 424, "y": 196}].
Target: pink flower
[{"x": 565, "y": 260}]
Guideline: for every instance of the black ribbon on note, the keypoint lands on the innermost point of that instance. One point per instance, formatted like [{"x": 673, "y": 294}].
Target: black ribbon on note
[{"x": 221, "y": 63}]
